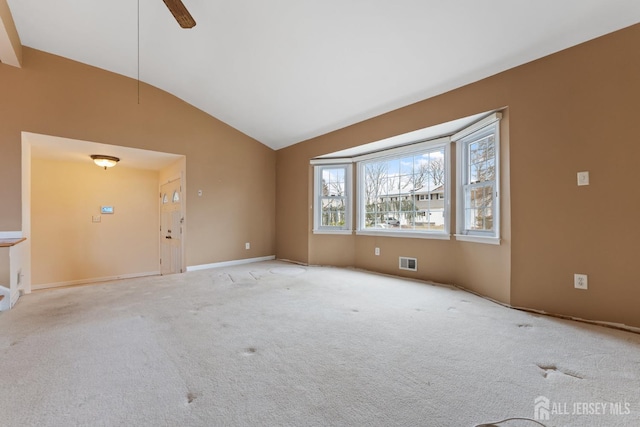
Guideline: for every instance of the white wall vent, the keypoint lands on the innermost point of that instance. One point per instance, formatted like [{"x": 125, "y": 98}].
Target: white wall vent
[{"x": 408, "y": 263}]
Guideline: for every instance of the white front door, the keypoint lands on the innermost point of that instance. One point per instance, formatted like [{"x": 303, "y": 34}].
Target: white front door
[{"x": 171, "y": 227}]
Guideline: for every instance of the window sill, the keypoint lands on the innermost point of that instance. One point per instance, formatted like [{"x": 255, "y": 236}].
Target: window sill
[
  {"x": 407, "y": 234},
  {"x": 478, "y": 239},
  {"x": 347, "y": 232}
]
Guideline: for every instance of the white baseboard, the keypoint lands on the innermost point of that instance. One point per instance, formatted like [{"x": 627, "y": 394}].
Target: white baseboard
[
  {"x": 230, "y": 263},
  {"x": 151, "y": 273},
  {"x": 10, "y": 234},
  {"x": 94, "y": 280}
]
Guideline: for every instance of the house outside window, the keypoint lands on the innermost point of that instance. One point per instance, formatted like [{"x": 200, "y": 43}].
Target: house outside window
[{"x": 399, "y": 191}]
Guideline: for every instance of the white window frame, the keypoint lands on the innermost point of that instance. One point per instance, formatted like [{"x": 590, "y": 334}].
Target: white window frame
[
  {"x": 411, "y": 149},
  {"x": 318, "y": 167},
  {"x": 462, "y": 140}
]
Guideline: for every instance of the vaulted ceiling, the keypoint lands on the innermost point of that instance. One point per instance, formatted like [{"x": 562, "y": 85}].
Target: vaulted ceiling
[{"x": 283, "y": 71}]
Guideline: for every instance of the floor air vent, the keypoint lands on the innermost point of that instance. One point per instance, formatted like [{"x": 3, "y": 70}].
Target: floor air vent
[{"x": 408, "y": 263}]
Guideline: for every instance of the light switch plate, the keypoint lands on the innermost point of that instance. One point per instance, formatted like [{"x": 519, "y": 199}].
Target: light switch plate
[{"x": 583, "y": 178}]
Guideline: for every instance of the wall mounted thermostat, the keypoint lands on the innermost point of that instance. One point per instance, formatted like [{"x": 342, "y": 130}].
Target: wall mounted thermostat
[{"x": 106, "y": 210}]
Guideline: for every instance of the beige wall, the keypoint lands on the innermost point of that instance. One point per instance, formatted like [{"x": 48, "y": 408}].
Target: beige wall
[
  {"x": 173, "y": 171},
  {"x": 572, "y": 111},
  {"x": 67, "y": 246},
  {"x": 56, "y": 96},
  {"x": 4, "y": 267}
]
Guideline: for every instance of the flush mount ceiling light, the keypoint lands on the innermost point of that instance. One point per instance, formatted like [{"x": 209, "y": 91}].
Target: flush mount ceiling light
[{"x": 104, "y": 161}]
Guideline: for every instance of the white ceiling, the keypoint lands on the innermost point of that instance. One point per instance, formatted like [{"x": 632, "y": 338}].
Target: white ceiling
[{"x": 283, "y": 71}]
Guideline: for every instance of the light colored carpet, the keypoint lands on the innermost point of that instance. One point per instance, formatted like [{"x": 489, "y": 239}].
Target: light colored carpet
[{"x": 276, "y": 344}]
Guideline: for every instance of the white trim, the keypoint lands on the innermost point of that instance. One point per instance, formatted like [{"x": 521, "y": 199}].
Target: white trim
[
  {"x": 230, "y": 263},
  {"x": 408, "y": 234},
  {"x": 94, "y": 280},
  {"x": 26, "y": 212},
  {"x": 448, "y": 185},
  {"x": 11, "y": 235},
  {"x": 405, "y": 149},
  {"x": 477, "y": 239},
  {"x": 336, "y": 161},
  {"x": 327, "y": 231},
  {"x": 490, "y": 119}
]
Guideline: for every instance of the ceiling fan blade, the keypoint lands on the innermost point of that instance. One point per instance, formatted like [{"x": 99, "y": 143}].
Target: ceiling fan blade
[{"x": 180, "y": 12}]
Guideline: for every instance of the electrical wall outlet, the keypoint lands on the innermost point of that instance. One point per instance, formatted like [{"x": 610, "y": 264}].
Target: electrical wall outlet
[
  {"x": 247, "y": 245},
  {"x": 377, "y": 251},
  {"x": 580, "y": 281}
]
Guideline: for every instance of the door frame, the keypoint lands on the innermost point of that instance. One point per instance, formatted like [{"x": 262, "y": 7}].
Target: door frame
[
  {"x": 177, "y": 169},
  {"x": 183, "y": 206}
]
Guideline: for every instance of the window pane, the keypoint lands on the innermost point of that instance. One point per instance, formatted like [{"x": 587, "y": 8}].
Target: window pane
[
  {"x": 473, "y": 174},
  {"x": 481, "y": 160},
  {"x": 333, "y": 182},
  {"x": 479, "y": 208},
  {"x": 333, "y": 212},
  {"x": 489, "y": 170},
  {"x": 475, "y": 197},
  {"x": 393, "y": 167},
  {"x": 406, "y": 166},
  {"x": 399, "y": 194},
  {"x": 488, "y": 219}
]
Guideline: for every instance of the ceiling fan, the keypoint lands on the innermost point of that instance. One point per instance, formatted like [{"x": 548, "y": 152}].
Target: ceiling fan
[{"x": 180, "y": 12}]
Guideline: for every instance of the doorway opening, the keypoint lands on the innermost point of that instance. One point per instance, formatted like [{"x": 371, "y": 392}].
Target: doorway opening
[{"x": 85, "y": 224}]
